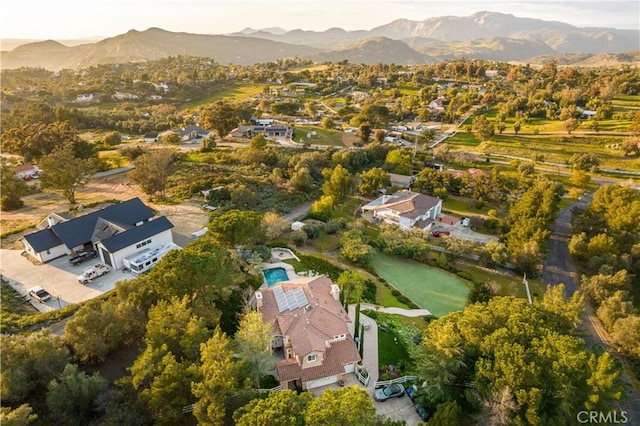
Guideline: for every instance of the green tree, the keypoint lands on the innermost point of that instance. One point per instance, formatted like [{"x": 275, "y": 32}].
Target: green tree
[
  {"x": 302, "y": 180},
  {"x": 328, "y": 123},
  {"x": 258, "y": 142},
  {"x": 219, "y": 378},
  {"x": 447, "y": 413},
  {"x": 220, "y": 116},
  {"x": 208, "y": 144},
  {"x": 73, "y": 397},
  {"x": 275, "y": 225},
  {"x": 349, "y": 406},
  {"x": 35, "y": 141},
  {"x": 12, "y": 189},
  {"x": 152, "y": 171},
  {"x": 20, "y": 416},
  {"x": 364, "y": 130},
  {"x": 253, "y": 340},
  {"x": 171, "y": 138},
  {"x": 339, "y": 183},
  {"x": 66, "y": 173},
  {"x": 283, "y": 408},
  {"x": 99, "y": 327},
  {"x": 112, "y": 138},
  {"x": 354, "y": 249},
  {"x": 398, "y": 161},
  {"x": 352, "y": 285},
  {"x": 373, "y": 180},
  {"x": 570, "y": 124},
  {"x": 482, "y": 128},
  {"x": 29, "y": 363},
  {"x": 516, "y": 127},
  {"x": 626, "y": 331},
  {"x": 237, "y": 227},
  {"x": 509, "y": 344},
  {"x": 322, "y": 209}
]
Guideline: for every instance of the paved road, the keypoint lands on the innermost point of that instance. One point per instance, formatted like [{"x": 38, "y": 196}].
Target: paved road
[{"x": 557, "y": 268}]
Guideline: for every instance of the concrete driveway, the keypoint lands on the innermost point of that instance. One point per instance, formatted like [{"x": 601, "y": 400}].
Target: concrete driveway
[
  {"x": 58, "y": 277},
  {"x": 465, "y": 233}
]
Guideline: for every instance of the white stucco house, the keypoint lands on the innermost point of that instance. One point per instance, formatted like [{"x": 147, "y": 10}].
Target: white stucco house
[{"x": 405, "y": 209}]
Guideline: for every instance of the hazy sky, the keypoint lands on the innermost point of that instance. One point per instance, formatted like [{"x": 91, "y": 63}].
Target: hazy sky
[{"x": 67, "y": 19}]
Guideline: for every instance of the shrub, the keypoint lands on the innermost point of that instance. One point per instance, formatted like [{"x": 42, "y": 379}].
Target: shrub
[
  {"x": 465, "y": 275},
  {"x": 320, "y": 265},
  {"x": 395, "y": 293},
  {"x": 299, "y": 238}
]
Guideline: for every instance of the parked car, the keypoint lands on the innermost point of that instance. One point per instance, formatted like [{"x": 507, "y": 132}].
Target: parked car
[
  {"x": 424, "y": 414},
  {"x": 391, "y": 391},
  {"x": 439, "y": 233},
  {"x": 34, "y": 175},
  {"x": 209, "y": 207},
  {"x": 95, "y": 271},
  {"x": 39, "y": 293},
  {"x": 411, "y": 392},
  {"x": 27, "y": 178},
  {"x": 82, "y": 256}
]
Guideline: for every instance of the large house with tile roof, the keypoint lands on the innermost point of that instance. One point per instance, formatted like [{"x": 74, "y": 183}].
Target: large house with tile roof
[
  {"x": 115, "y": 232},
  {"x": 310, "y": 327},
  {"x": 405, "y": 209}
]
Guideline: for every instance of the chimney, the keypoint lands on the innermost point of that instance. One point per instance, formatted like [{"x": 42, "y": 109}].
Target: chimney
[
  {"x": 51, "y": 221},
  {"x": 335, "y": 292},
  {"x": 259, "y": 299}
]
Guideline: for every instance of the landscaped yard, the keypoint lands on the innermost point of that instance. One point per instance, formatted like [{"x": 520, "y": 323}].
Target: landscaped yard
[{"x": 428, "y": 287}]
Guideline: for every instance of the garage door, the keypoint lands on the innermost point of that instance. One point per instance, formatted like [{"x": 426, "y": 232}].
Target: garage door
[{"x": 322, "y": 382}]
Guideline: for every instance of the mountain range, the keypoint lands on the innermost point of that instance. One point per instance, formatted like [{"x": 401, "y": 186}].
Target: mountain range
[{"x": 483, "y": 35}]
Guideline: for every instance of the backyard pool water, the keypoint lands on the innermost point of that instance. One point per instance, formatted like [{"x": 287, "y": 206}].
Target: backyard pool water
[{"x": 275, "y": 275}]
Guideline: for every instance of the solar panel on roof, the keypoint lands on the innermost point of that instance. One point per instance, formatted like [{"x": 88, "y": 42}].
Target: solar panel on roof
[{"x": 291, "y": 299}]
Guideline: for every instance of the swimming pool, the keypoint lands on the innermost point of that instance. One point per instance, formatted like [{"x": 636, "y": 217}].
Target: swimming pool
[{"x": 275, "y": 275}]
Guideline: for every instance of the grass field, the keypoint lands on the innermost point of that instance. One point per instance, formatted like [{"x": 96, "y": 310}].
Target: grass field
[
  {"x": 428, "y": 287},
  {"x": 390, "y": 351},
  {"x": 322, "y": 137}
]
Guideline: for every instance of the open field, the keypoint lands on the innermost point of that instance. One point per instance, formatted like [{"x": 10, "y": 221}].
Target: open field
[
  {"x": 323, "y": 136},
  {"x": 427, "y": 287},
  {"x": 554, "y": 148}
]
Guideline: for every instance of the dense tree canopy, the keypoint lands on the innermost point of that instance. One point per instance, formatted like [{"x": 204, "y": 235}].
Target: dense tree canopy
[{"x": 530, "y": 350}]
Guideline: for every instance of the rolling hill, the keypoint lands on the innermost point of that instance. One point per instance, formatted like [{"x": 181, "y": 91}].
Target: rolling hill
[{"x": 483, "y": 35}]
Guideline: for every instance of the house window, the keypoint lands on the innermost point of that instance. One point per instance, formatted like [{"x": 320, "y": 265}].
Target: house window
[
  {"x": 312, "y": 358},
  {"x": 144, "y": 243}
]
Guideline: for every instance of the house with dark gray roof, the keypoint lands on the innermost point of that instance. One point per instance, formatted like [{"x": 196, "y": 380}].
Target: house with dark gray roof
[{"x": 115, "y": 232}]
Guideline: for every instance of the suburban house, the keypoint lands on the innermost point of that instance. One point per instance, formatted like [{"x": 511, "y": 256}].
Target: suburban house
[
  {"x": 192, "y": 132},
  {"x": 151, "y": 137},
  {"x": 310, "y": 326},
  {"x": 84, "y": 98},
  {"x": 25, "y": 170},
  {"x": 401, "y": 181},
  {"x": 439, "y": 104},
  {"x": 121, "y": 96},
  {"x": 268, "y": 131},
  {"x": 406, "y": 209},
  {"x": 115, "y": 232}
]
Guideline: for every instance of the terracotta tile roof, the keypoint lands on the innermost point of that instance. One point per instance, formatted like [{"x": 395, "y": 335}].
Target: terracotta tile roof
[
  {"x": 338, "y": 355},
  {"x": 310, "y": 327}
]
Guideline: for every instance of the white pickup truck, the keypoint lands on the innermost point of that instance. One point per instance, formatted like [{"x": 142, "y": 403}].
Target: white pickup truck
[{"x": 95, "y": 271}]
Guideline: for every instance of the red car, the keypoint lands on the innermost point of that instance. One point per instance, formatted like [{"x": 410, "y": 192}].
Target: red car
[{"x": 439, "y": 233}]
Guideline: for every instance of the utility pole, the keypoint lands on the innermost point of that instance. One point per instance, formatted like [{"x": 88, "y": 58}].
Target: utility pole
[{"x": 526, "y": 285}]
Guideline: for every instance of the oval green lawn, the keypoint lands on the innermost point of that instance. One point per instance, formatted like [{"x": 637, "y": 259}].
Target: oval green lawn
[{"x": 429, "y": 288}]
